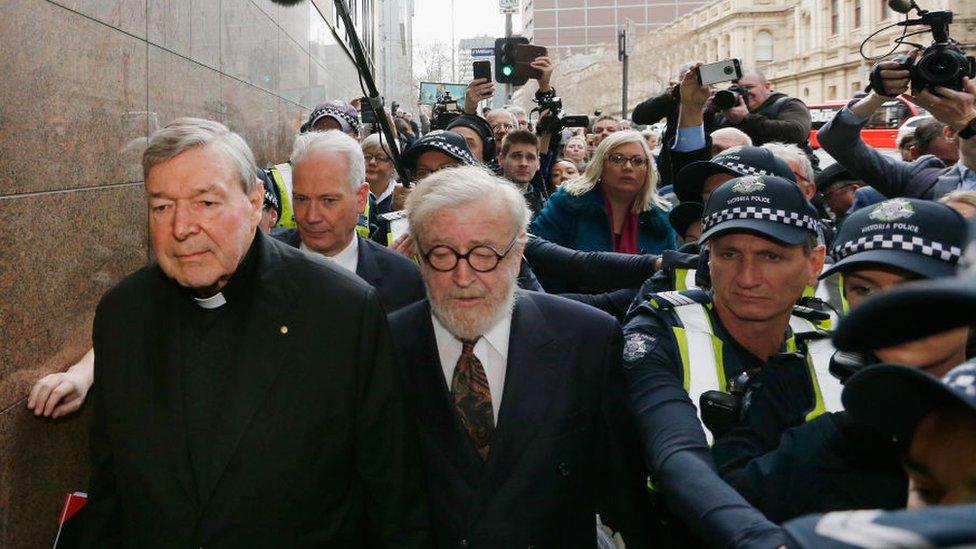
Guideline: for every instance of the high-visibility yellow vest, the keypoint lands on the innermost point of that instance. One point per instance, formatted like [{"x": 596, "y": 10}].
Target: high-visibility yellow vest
[
  {"x": 281, "y": 175},
  {"x": 702, "y": 360}
]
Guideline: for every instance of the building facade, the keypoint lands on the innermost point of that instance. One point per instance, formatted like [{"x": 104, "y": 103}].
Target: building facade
[
  {"x": 806, "y": 48},
  {"x": 570, "y": 27},
  {"x": 394, "y": 52},
  {"x": 85, "y": 84}
]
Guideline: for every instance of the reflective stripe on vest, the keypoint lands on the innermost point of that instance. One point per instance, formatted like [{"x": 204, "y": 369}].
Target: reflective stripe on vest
[
  {"x": 281, "y": 175},
  {"x": 701, "y": 355},
  {"x": 704, "y": 368},
  {"x": 826, "y": 387},
  {"x": 684, "y": 279},
  {"x": 362, "y": 224}
]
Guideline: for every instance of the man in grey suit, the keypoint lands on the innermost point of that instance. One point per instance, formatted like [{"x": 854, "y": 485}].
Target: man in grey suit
[{"x": 329, "y": 194}]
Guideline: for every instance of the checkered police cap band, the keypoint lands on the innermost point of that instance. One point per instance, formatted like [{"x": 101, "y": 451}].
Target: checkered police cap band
[
  {"x": 337, "y": 113},
  {"x": 744, "y": 169},
  {"x": 452, "y": 150},
  {"x": 899, "y": 242},
  {"x": 783, "y": 217}
]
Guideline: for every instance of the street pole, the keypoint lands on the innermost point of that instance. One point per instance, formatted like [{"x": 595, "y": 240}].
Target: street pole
[
  {"x": 508, "y": 33},
  {"x": 623, "y": 108},
  {"x": 622, "y": 55},
  {"x": 453, "y": 48}
]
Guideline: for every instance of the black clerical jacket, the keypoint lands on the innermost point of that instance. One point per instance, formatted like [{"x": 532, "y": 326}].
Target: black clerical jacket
[{"x": 318, "y": 450}]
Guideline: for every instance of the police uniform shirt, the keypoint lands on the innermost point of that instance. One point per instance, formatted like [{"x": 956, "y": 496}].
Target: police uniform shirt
[
  {"x": 674, "y": 440},
  {"x": 651, "y": 354}
]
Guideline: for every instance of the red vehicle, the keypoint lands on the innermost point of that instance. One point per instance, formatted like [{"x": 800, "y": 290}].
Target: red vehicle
[{"x": 881, "y": 129}]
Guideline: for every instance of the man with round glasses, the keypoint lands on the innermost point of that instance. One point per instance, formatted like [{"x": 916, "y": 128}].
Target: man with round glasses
[{"x": 518, "y": 396}]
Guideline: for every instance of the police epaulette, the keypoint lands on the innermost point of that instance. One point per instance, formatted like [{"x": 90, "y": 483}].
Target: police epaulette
[{"x": 666, "y": 301}]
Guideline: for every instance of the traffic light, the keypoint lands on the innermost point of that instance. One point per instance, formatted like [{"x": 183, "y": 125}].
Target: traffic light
[{"x": 505, "y": 60}]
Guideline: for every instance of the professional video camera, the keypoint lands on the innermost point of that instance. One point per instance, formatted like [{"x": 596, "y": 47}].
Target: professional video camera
[
  {"x": 941, "y": 64},
  {"x": 445, "y": 110},
  {"x": 727, "y": 98},
  {"x": 555, "y": 120}
]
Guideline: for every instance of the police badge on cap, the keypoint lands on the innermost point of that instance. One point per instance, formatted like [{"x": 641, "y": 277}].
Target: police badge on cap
[
  {"x": 921, "y": 237},
  {"x": 771, "y": 206},
  {"x": 892, "y": 210}
]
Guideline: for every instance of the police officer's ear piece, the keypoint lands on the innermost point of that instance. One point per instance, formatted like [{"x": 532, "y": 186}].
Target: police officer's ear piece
[{"x": 844, "y": 364}]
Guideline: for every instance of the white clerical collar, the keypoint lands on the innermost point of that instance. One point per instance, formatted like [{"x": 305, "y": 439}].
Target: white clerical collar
[
  {"x": 348, "y": 258},
  {"x": 383, "y": 196},
  {"x": 212, "y": 302}
]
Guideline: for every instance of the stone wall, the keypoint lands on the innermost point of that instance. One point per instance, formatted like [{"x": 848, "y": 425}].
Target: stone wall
[{"x": 84, "y": 83}]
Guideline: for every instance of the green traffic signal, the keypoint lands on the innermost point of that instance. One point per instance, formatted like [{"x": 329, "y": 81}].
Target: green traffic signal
[{"x": 507, "y": 70}]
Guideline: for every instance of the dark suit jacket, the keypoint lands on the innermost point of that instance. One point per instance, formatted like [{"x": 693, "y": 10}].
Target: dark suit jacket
[
  {"x": 396, "y": 278},
  {"x": 322, "y": 451},
  {"x": 564, "y": 448}
]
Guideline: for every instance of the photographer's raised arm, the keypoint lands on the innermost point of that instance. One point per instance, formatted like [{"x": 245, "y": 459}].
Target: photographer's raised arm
[
  {"x": 841, "y": 138},
  {"x": 690, "y": 142},
  {"x": 954, "y": 109},
  {"x": 546, "y": 66},
  {"x": 478, "y": 90}
]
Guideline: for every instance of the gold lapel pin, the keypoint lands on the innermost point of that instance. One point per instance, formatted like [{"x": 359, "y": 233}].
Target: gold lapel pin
[{"x": 283, "y": 329}]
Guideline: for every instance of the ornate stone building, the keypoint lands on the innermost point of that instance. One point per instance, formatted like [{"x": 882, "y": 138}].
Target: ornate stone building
[{"x": 807, "y": 48}]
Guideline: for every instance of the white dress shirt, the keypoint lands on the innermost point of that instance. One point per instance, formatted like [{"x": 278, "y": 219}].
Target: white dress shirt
[
  {"x": 348, "y": 258},
  {"x": 491, "y": 349}
]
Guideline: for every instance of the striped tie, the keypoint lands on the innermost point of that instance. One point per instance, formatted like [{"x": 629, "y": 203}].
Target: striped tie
[{"x": 472, "y": 398}]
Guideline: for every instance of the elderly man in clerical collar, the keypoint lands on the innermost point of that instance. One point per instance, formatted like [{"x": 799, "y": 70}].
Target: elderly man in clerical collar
[{"x": 228, "y": 410}]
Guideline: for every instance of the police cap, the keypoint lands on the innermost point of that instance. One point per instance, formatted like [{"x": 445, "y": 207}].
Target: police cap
[
  {"x": 450, "y": 143},
  {"x": 734, "y": 161},
  {"x": 887, "y": 319},
  {"x": 921, "y": 237},
  {"x": 893, "y": 399},
  {"x": 770, "y": 206},
  {"x": 272, "y": 197}
]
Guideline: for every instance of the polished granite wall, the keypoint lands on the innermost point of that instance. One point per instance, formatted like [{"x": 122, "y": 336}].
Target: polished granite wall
[{"x": 84, "y": 83}]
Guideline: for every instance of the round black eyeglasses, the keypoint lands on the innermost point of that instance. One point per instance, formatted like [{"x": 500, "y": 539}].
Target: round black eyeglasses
[{"x": 482, "y": 259}]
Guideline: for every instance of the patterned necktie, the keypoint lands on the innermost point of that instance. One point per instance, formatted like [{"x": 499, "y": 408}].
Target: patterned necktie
[{"x": 472, "y": 398}]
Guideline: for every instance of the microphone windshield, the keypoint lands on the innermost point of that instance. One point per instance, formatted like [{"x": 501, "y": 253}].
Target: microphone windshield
[{"x": 901, "y": 6}]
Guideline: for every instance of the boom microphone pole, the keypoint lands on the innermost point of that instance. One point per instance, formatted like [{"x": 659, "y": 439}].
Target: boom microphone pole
[{"x": 373, "y": 95}]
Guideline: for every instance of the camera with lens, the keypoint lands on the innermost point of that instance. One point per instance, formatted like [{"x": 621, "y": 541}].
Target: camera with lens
[
  {"x": 555, "y": 120},
  {"x": 941, "y": 64},
  {"x": 445, "y": 110},
  {"x": 727, "y": 98}
]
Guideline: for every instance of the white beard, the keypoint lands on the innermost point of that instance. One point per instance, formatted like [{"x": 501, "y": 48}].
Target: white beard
[{"x": 470, "y": 324}]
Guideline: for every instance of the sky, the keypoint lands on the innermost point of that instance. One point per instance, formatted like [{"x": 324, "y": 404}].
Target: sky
[{"x": 432, "y": 20}]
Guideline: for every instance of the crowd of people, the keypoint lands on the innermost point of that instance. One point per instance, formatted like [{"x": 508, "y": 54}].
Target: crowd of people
[{"x": 537, "y": 336}]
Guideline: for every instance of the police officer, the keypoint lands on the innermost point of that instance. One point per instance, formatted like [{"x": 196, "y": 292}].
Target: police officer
[
  {"x": 834, "y": 463},
  {"x": 686, "y": 351}
]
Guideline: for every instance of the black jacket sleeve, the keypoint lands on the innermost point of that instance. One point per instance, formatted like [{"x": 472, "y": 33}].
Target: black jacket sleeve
[
  {"x": 598, "y": 271},
  {"x": 387, "y": 449},
  {"x": 624, "y": 502},
  {"x": 654, "y": 109},
  {"x": 615, "y": 303},
  {"x": 791, "y": 125},
  {"x": 680, "y": 159}
]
